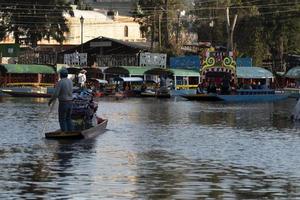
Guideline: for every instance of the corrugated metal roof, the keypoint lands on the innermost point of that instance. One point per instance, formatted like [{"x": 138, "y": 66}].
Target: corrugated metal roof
[
  {"x": 253, "y": 72},
  {"x": 27, "y": 69}
]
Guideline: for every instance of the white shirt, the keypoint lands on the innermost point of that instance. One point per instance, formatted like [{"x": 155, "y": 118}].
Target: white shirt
[{"x": 81, "y": 78}]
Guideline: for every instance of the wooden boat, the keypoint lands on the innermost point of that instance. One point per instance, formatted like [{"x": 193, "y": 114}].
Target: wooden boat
[
  {"x": 26, "y": 80},
  {"x": 257, "y": 95},
  {"x": 202, "y": 97},
  {"x": 84, "y": 134},
  {"x": 27, "y": 92}
]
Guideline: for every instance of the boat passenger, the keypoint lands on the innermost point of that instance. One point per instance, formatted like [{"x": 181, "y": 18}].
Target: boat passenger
[
  {"x": 82, "y": 78},
  {"x": 212, "y": 88},
  {"x": 200, "y": 89},
  {"x": 64, "y": 93}
]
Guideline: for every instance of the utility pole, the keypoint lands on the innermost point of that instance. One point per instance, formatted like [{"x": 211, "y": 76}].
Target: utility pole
[
  {"x": 166, "y": 28},
  {"x": 178, "y": 25},
  {"x": 153, "y": 29},
  {"x": 159, "y": 30},
  {"x": 230, "y": 29}
]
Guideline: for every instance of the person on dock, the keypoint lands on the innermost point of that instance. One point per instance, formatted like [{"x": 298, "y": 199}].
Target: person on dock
[{"x": 64, "y": 93}]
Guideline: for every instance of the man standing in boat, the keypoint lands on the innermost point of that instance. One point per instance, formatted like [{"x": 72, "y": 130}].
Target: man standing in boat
[{"x": 64, "y": 93}]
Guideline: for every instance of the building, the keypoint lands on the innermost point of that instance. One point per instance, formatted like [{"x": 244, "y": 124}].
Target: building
[{"x": 94, "y": 24}]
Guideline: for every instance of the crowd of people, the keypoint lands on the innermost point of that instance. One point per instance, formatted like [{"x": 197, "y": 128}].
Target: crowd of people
[{"x": 225, "y": 86}]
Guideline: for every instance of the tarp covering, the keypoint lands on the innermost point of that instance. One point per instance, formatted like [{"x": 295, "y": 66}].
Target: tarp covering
[
  {"x": 293, "y": 73},
  {"x": 129, "y": 79},
  {"x": 26, "y": 69},
  {"x": 253, "y": 72},
  {"x": 186, "y": 72}
]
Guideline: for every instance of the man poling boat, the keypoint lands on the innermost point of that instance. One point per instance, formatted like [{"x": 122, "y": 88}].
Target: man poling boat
[{"x": 76, "y": 111}]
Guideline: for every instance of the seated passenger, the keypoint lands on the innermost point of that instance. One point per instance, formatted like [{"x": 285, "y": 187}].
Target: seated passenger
[{"x": 200, "y": 89}]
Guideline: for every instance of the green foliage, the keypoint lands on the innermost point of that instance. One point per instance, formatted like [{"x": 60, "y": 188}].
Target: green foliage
[
  {"x": 34, "y": 20},
  {"x": 264, "y": 27},
  {"x": 158, "y": 19}
]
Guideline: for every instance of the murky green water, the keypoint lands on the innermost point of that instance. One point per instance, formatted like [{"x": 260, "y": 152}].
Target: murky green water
[{"x": 153, "y": 149}]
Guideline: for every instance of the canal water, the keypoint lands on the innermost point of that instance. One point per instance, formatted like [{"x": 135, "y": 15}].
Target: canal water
[{"x": 153, "y": 149}]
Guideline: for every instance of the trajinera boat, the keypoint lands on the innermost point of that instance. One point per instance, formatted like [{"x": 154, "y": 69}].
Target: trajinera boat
[
  {"x": 222, "y": 80},
  {"x": 22, "y": 80}
]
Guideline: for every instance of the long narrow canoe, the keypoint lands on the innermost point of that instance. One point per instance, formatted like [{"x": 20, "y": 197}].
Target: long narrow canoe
[{"x": 84, "y": 134}]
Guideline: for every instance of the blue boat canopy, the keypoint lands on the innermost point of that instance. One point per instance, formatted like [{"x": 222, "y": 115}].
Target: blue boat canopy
[
  {"x": 253, "y": 72},
  {"x": 293, "y": 73}
]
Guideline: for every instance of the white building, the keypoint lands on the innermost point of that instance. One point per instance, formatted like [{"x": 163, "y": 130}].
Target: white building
[{"x": 97, "y": 24}]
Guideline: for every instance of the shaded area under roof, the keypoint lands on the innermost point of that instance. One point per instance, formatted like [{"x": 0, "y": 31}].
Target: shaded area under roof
[
  {"x": 141, "y": 71},
  {"x": 109, "y": 46},
  {"x": 159, "y": 72},
  {"x": 116, "y": 71},
  {"x": 253, "y": 72},
  {"x": 293, "y": 73},
  {"x": 26, "y": 69}
]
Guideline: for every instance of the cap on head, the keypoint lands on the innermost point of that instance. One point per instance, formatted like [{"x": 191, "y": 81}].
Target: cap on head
[{"x": 63, "y": 72}]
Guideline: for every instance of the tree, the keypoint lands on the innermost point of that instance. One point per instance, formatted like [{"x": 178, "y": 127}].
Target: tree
[
  {"x": 34, "y": 20},
  {"x": 156, "y": 18},
  {"x": 263, "y": 26},
  {"x": 280, "y": 22}
]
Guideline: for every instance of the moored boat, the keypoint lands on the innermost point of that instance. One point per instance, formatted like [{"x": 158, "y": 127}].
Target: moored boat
[
  {"x": 21, "y": 80},
  {"x": 254, "y": 95},
  {"x": 222, "y": 80},
  {"x": 41, "y": 92},
  {"x": 82, "y": 134}
]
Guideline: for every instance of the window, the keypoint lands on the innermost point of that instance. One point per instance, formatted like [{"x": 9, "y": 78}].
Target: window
[{"x": 126, "y": 31}]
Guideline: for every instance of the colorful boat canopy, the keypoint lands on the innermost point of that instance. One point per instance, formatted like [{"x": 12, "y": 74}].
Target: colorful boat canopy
[
  {"x": 253, "y": 72},
  {"x": 293, "y": 73},
  {"x": 26, "y": 69}
]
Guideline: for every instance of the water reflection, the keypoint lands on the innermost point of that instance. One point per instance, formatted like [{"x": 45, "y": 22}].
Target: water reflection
[
  {"x": 154, "y": 149},
  {"x": 162, "y": 175}
]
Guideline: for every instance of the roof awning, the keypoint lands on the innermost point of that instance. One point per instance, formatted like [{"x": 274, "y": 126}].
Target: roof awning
[
  {"x": 129, "y": 79},
  {"x": 159, "y": 72},
  {"x": 26, "y": 69},
  {"x": 293, "y": 73},
  {"x": 253, "y": 72},
  {"x": 136, "y": 71},
  {"x": 185, "y": 72},
  {"x": 116, "y": 70},
  {"x": 98, "y": 80}
]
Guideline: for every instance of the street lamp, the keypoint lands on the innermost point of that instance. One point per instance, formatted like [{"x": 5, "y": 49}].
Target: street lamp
[
  {"x": 81, "y": 25},
  {"x": 211, "y": 25}
]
